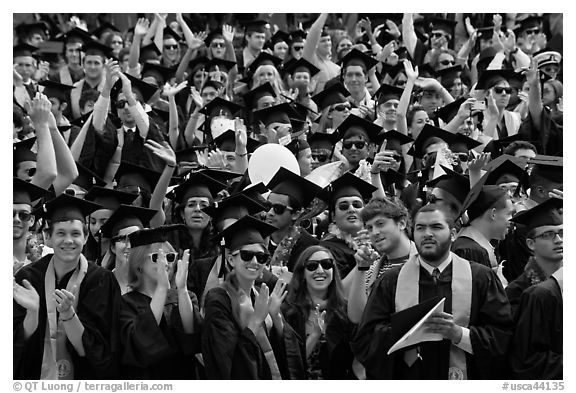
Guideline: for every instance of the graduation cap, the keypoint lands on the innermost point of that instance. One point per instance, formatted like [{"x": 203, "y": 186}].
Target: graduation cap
[
  {"x": 446, "y": 25},
  {"x": 547, "y": 56},
  {"x": 506, "y": 169},
  {"x": 87, "y": 178},
  {"x": 347, "y": 185},
  {"x": 75, "y": 35},
  {"x": 490, "y": 78},
  {"x": 168, "y": 32},
  {"x": 24, "y": 50},
  {"x": 394, "y": 140},
  {"x": 255, "y": 191},
  {"x": 67, "y": 208},
  {"x": 386, "y": 93},
  {"x": 149, "y": 52},
  {"x": 196, "y": 184},
  {"x": 481, "y": 197},
  {"x": 322, "y": 140},
  {"x": 279, "y": 36},
  {"x": 189, "y": 153},
  {"x": 223, "y": 176},
  {"x": 126, "y": 216},
  {"x": 227, "y": 142},
  {"x": 354, "y": 125},
  {"x": 131, "y": 174},
  {"x": 108, "y": 198},
  {"x": 297, "y": 145},
  {"x": 247, "y": 230},
  {"x": 25, "y": 193},
  {"x": 219, "y": 106},
  {"x": 449, "y": 111},
  {"x": 447, "y": 75},
  {"x": 301, "y": 65},
  {"x": 56, "y": 90},
  {"x": 97, "y": 49},
  {"x": 358, "y": 58},
  {"x": 547, "y": 213},
  {"x": 453, "y": 183},
  {"x": 297, "y": 36},
  {"x": 497, "y": 146},
  {"x": 22, "y": 152},
  {"x": 160, "y": 234},
  {"x": 158, "y": 72},
  {"x": 286, "y": 182},
  {"x": 251, "y": 98},
  {"x": 264, "y": 58},
  {"x": 393, "y": 70},
  {"x": 548, "y": 167},
  {"x": 462, "y": 143},
  {"x": 233, "y": 207},
  {"x": 25, "y": 30},
  {"x": 103, "y": 28},
  {"x": 335, "y": 94},
  {"x": 146, "y": 89},
  {"x": 530, "y": 22},
  {"x": 280, "y": 113},
  {"x": 256, "y": 26},
  {"x": 428, "y": 136},
  {"x": 223, "y": 65},
  {"x": 197, "y": 64},
  {"x": 427, "y": 71}
]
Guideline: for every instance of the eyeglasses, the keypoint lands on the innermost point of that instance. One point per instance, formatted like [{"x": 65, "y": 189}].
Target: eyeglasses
[
  {"x": 341, "y": 107},
  {"x": 437, "y": 35},
  {"x": 343, "y": 206},
  {"x": 297, "y": 48},
  {"x": 173, "y": 47},
  {"x": 30, "y": 171},
  {"x": 320, "y": 157},
  {"x": 532, "y": 31},
  {"x": 500, "y": 90},
  {"x": 22, "y": 215},
  {"x": 358, "y": 145},
  {"x": 121, "y": 104},
  {"x": 247, "y": 256},
  {"x": 326, "y": 264},
  {"x": 447, "y": 62},
  {"x": 170, "y": 257},
  {"x": 217, "y": 45},
  {"x": 551, "y": 235},
  {"x": 278, "y": 208}
]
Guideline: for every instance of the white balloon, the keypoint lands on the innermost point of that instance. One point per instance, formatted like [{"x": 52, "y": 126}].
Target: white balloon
[{"x": 267, "y": 159}]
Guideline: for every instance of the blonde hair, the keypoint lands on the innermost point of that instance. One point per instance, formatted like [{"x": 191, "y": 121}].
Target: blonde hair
[{"x": 276, "y": 83}]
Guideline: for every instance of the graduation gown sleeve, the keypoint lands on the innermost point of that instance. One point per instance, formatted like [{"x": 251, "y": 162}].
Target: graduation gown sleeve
[
  {"x": 470, "y": 250},
  {"x": 536, "y": 351}
]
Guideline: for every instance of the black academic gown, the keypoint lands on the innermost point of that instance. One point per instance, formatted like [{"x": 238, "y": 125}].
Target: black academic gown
[
  {"x": 515, "y": 252},
  {"x": 532, "y": 275},
  {"x": 304, "y": 241},
  {"x": 343, "y": 254},
  {"x": 232, "y": 352},
  {"x": 468, "y": 249},
  {"x": 98, "y": 309},
  {"x": 490, "y": 329},
  {"x": 537, "y": 347},
  {"x": 152, "y": 351},
  {"x": 335, "y": 354}
]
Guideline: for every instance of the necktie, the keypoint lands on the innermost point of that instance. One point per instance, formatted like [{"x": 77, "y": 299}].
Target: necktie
[{"x": 435, "y": 275}]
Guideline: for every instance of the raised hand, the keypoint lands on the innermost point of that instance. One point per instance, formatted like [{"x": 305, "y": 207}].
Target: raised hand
[
  {"x": 260, "y": 305},
  {"x": 182, "y": 271},
  {"x": 141, "y": 27},
  {"x": 276, "y": 298},
  {"x": 469, "y": 28},
  {"x": 318, "y": 322},
  {"x": 241, "y": 134},
  {"x": 112, "y": 73},
  {"x": 411, "y": 73},
  {"x": 392, "y": 29},
  {"x": 26, "y": 295},
  {"x": 509, "y": 41},
  {"x": 17, "y": 79},
  {"x": 476, "y": 164},
  {"x": 196, "y": 97},
  {"x": 386, "y": 51},
  {"x": 171, "y": 91},
  {"x": 246, "y": 309},
  {"x": 556, "y": 193},
  {"x": 42, "y": 71},
  {"x": 162, "y": 151},
  {"x": 491, "y": 108},
  {"x": 40, "y": 109},
  {"x": 228, "y": 32},
  {"x": 497, "y": 21},
  {"x": 126, "y": 85}
]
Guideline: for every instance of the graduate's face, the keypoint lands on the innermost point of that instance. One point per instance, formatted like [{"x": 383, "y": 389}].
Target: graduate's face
[
  {"x": 124, "y": 113},
  {"x": 297, "y": 49},
  {"x": 418, "y": 122},
  {"x": 351, "y": 151},
  {"x": 502, "y": 220},
  {"x": 305, "y": 161},
  {"x": 170, "y": 51},
  {"x": 281, "y": 49},
  {"x": 265, "y": 73},
  {"x": 385, "y": 233},
  {"x": 325, "y": 45},
  {"x": 247, "y": 270},
  {"x": 338, "y": 113},
  {"x": 281, "y": 221},
  {"x": 355, "y": 78},
  {"x": 256, "y": 40},
  {"x": 97, "y": 219},
  {"x": 218, "y": 48},
  {"x": 547, "y": 249},
  {"x": 73, "y": 52},
  {"x": 501, "y": 97},
  {"x": 121, "y": 247},
  {"x": 548, "y": 94},
  {"x": 193, "y": 216},
  {"x": 20, "y": 227},
  {"x": 318, "y": 280},
  {"x": 150, "y": 268},
  {"x": 347, "y": 216},
  {"x": 430, "y": 101},
  {"x": 25, "y": 168},
  {"x": 93, "y": 66},
  {"x": 68, "y": 239},
  {"x": 388, "y": 110},
  {"x": 432, "y": 236},
  {"x": 25, "y": 66}
]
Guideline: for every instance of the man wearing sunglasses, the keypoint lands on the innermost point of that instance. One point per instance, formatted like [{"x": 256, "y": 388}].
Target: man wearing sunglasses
[
  {"x": 537, "y": 347},
  {"x": 357, "y": 136}
]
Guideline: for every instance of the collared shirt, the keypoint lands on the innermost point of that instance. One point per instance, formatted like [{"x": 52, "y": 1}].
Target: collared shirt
[{"x": 465, "y": 344}]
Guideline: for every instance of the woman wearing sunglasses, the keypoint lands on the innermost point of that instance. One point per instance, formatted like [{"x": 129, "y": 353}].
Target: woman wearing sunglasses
[
  {"x": 316, "y": 309},
  {"x": 244, "y": 335},
  {"x": 160, "y": 319},
  {"x": 334, "y": 107}
]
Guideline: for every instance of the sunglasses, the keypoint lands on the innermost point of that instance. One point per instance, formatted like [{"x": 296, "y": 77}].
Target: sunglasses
[
  {"x": 437, "y": 35},
  {"x": 463, "y": 157},
  {"x": 447, "y": 62},
  {"x": 30, "y": 171},
  {"x": 247, "y": 256},
  {"x": 217, "y": 45},
  {"x": 551, "y": 235},
  {"x": 171, "y": 46},
  {"x": 500, "y": 90},
  {"x": 170, "y": 257},
  {"x": 320, "y": 157},
  {"x": 533, "y": 31},
  {"x": 278, "y": 208},
  {"x": 341, "y": 107},
  {"x": 298, "y": 47},
  {"x": 22, "y": 215},
  {"x": 326, "y": 264},
  {"x": 344, "y": 206},
  {"x": 358, "y": 145},
  {"x": 120, "y": 238}
]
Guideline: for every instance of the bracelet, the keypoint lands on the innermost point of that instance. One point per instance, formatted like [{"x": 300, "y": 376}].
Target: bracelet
[
  {"x": 66, "y": 320},
  {"x": 241, "y": 155},
  {"x": 375, "y": 173}
]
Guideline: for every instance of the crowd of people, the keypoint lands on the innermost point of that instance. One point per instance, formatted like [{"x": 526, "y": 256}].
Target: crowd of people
[{"x": 239, "y": 196}]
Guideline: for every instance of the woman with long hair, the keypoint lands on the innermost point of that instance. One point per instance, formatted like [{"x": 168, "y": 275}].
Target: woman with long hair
[
  {"x": 159, "y": 317},
  {"x": 316, "y": 309},
  {"x": 268, "y": 73}
]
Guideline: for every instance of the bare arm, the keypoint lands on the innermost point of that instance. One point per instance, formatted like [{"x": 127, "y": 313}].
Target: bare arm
[
  {"x": 412, "y": 75},
  {"x": 65, "y": 165},
  {"x": 535, "y": 105},
  {"x": 140, "y": 30},
  {"x": 171, "y": 92},
  {"x": 164, "y": 152},
  {"x": 115, "y": 161},
  {"x": 46, "y": 169},
  {"x": 409, "y": 38},
  {"x": 313, "y": 38}
]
